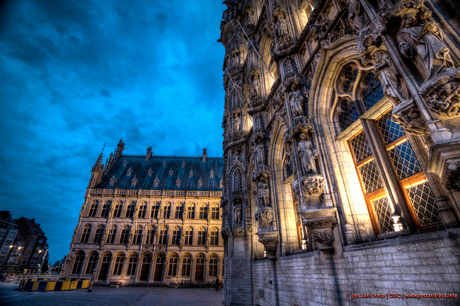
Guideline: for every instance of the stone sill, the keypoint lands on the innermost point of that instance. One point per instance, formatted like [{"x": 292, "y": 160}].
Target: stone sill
[{"x": 401, "y": 240}]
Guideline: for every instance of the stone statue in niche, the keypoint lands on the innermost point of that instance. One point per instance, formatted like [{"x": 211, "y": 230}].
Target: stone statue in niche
[
  {"x": 308, "y": 154},
  {"x": 282, "y": 30},
  {"x": 237, "y": 213},
  {"x": 296, "y": 99},
  {"x": 260, "y": 154},
  {"x": 263, "y": 194},
  {"x": 255, "y": 86},
  {"x": 356, "y": 15},
  {"x": 389, "y": 77},
  {"x": 235, "y": 61},
  {"x": 423, "y": 45},
  {"x": 236, "y": 123}
]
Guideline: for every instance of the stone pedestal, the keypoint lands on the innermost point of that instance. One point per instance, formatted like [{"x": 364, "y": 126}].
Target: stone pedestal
[
  {"x": 270, "y": 241},
  {"x": 321, "y": 221}
]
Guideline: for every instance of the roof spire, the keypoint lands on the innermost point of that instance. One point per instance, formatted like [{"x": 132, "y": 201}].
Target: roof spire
[{"x": 203, "y": 157}]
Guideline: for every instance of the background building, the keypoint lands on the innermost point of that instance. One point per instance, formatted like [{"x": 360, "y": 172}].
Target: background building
[
  {"x": 8, "y": 232},
  {"x": 342, "y": 149},
  {"x": 150, "y": 219},
  {"x": 29, "y": 248}
]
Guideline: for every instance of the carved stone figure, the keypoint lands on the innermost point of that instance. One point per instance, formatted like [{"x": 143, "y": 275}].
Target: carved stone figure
[
  {"x": 237, "y": 214},
  {"x": 356, "y": 15},
  {"x": 389, "y": 77},
  {"x": 236, "y": 123},
  {"x": 263, "y": 194},
  {"x": 296, "y": 101},
  {"x": 255, "y": 86},
  {"x": 282, "y": 31},
  {"x": 423, "y": 44},
  {"x": 307, "y": 154},
  {"x": 260, "y": 154}
]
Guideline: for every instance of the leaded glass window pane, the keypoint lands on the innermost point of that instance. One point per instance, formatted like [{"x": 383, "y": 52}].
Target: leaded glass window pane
[
  {"x": 383, "y": 211},
  {"x": 423, "y": 202},
  {"x": 390, "y": 131},
  {"x": 404, "y": 160},
  {"x": 370, "y": 176},
  {"x": 348, "y": 113},
  {"x": 374, "y": 92},
  {"x": 361, "y": 148}
]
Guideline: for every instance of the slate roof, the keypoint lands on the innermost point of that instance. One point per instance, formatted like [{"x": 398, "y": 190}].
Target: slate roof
[
  {"x": 31, "y": 225},
  {"x": 179, "y": 167}
]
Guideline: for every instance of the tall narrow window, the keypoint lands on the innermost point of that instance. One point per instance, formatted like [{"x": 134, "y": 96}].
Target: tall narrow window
[
  {"x": 155, "y": 208},
  {"x": 132, "y": 264},
  {"x": 215, "y": 212},
  {"x": 188, "y": 236},
  {"x": 150, "y": 235},
  {"x": 214, "y": 236},
  {"x": 179, "y": 211},
  {"x": 163, "y": 236},
  {"x": 130, "y": 210},
  {"x": 186, "y": 264},
  {"x": 175, "y": 236},
  {"x": 106, "y": 209},
  {"x": 191, "y": 211},
  {"x": 201, "y": 236},
  {"x": 93, "y": 209},
  {"x": 85, "y": 234},
  {"x": 137, "y": 235},
  {"x": 213, "y": 262},
  {"x": 99, "y": 234},
  {"x": 173, "y": 264},
  {"x": 124, "y": 235},
  {"x": 92, "y": 261},
  {"x": 111, "y": 235},
  {"x": 117, "y": 212},
  {"x": 142, "y": 209},
  {"x": 118, "y": 268},
  {"x": 78, "y": 263},
  {"x": 203, "y": 214},
  {"x": 167, "y": 210}
]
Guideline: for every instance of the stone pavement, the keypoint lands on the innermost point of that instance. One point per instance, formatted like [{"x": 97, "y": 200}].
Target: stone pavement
[{"x": 138, "y": 296}]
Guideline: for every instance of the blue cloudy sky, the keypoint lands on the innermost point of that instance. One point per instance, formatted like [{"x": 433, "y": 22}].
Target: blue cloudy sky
[{"x": 76, "y": 74}]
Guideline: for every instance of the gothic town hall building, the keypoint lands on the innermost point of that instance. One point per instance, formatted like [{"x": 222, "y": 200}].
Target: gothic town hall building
[
  {"x": 150, "y": 219},
  {"x": 342, "y": 151}
]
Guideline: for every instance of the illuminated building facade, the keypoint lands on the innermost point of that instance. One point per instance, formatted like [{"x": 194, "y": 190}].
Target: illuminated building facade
[
  {"x": 150, "y": 219},
  {"x": 341, "y": 148}
]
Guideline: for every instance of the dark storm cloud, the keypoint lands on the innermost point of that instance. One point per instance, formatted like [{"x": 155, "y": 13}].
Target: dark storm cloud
[{"x": 78, "y": 74}]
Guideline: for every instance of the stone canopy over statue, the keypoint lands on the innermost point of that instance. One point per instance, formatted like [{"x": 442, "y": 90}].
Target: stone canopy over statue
[{"x": 423, "y": 44}]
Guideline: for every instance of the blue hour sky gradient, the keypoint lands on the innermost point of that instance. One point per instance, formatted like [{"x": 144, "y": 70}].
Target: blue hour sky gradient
[{"x": 76, "y": 74}]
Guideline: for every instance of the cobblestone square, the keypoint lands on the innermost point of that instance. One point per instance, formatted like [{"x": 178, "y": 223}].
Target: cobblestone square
[{"x": 152, "y": 296}]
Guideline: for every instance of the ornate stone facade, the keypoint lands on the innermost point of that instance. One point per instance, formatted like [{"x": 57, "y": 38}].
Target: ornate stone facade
[
  {"x": 150, "y": 219},
  {"x": 341, "y": 138}
]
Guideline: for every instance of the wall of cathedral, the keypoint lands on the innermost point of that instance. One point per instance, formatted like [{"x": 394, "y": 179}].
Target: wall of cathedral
[
  {"x": 342, "y": 148},
  {"x": 408, "y": 266}
]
